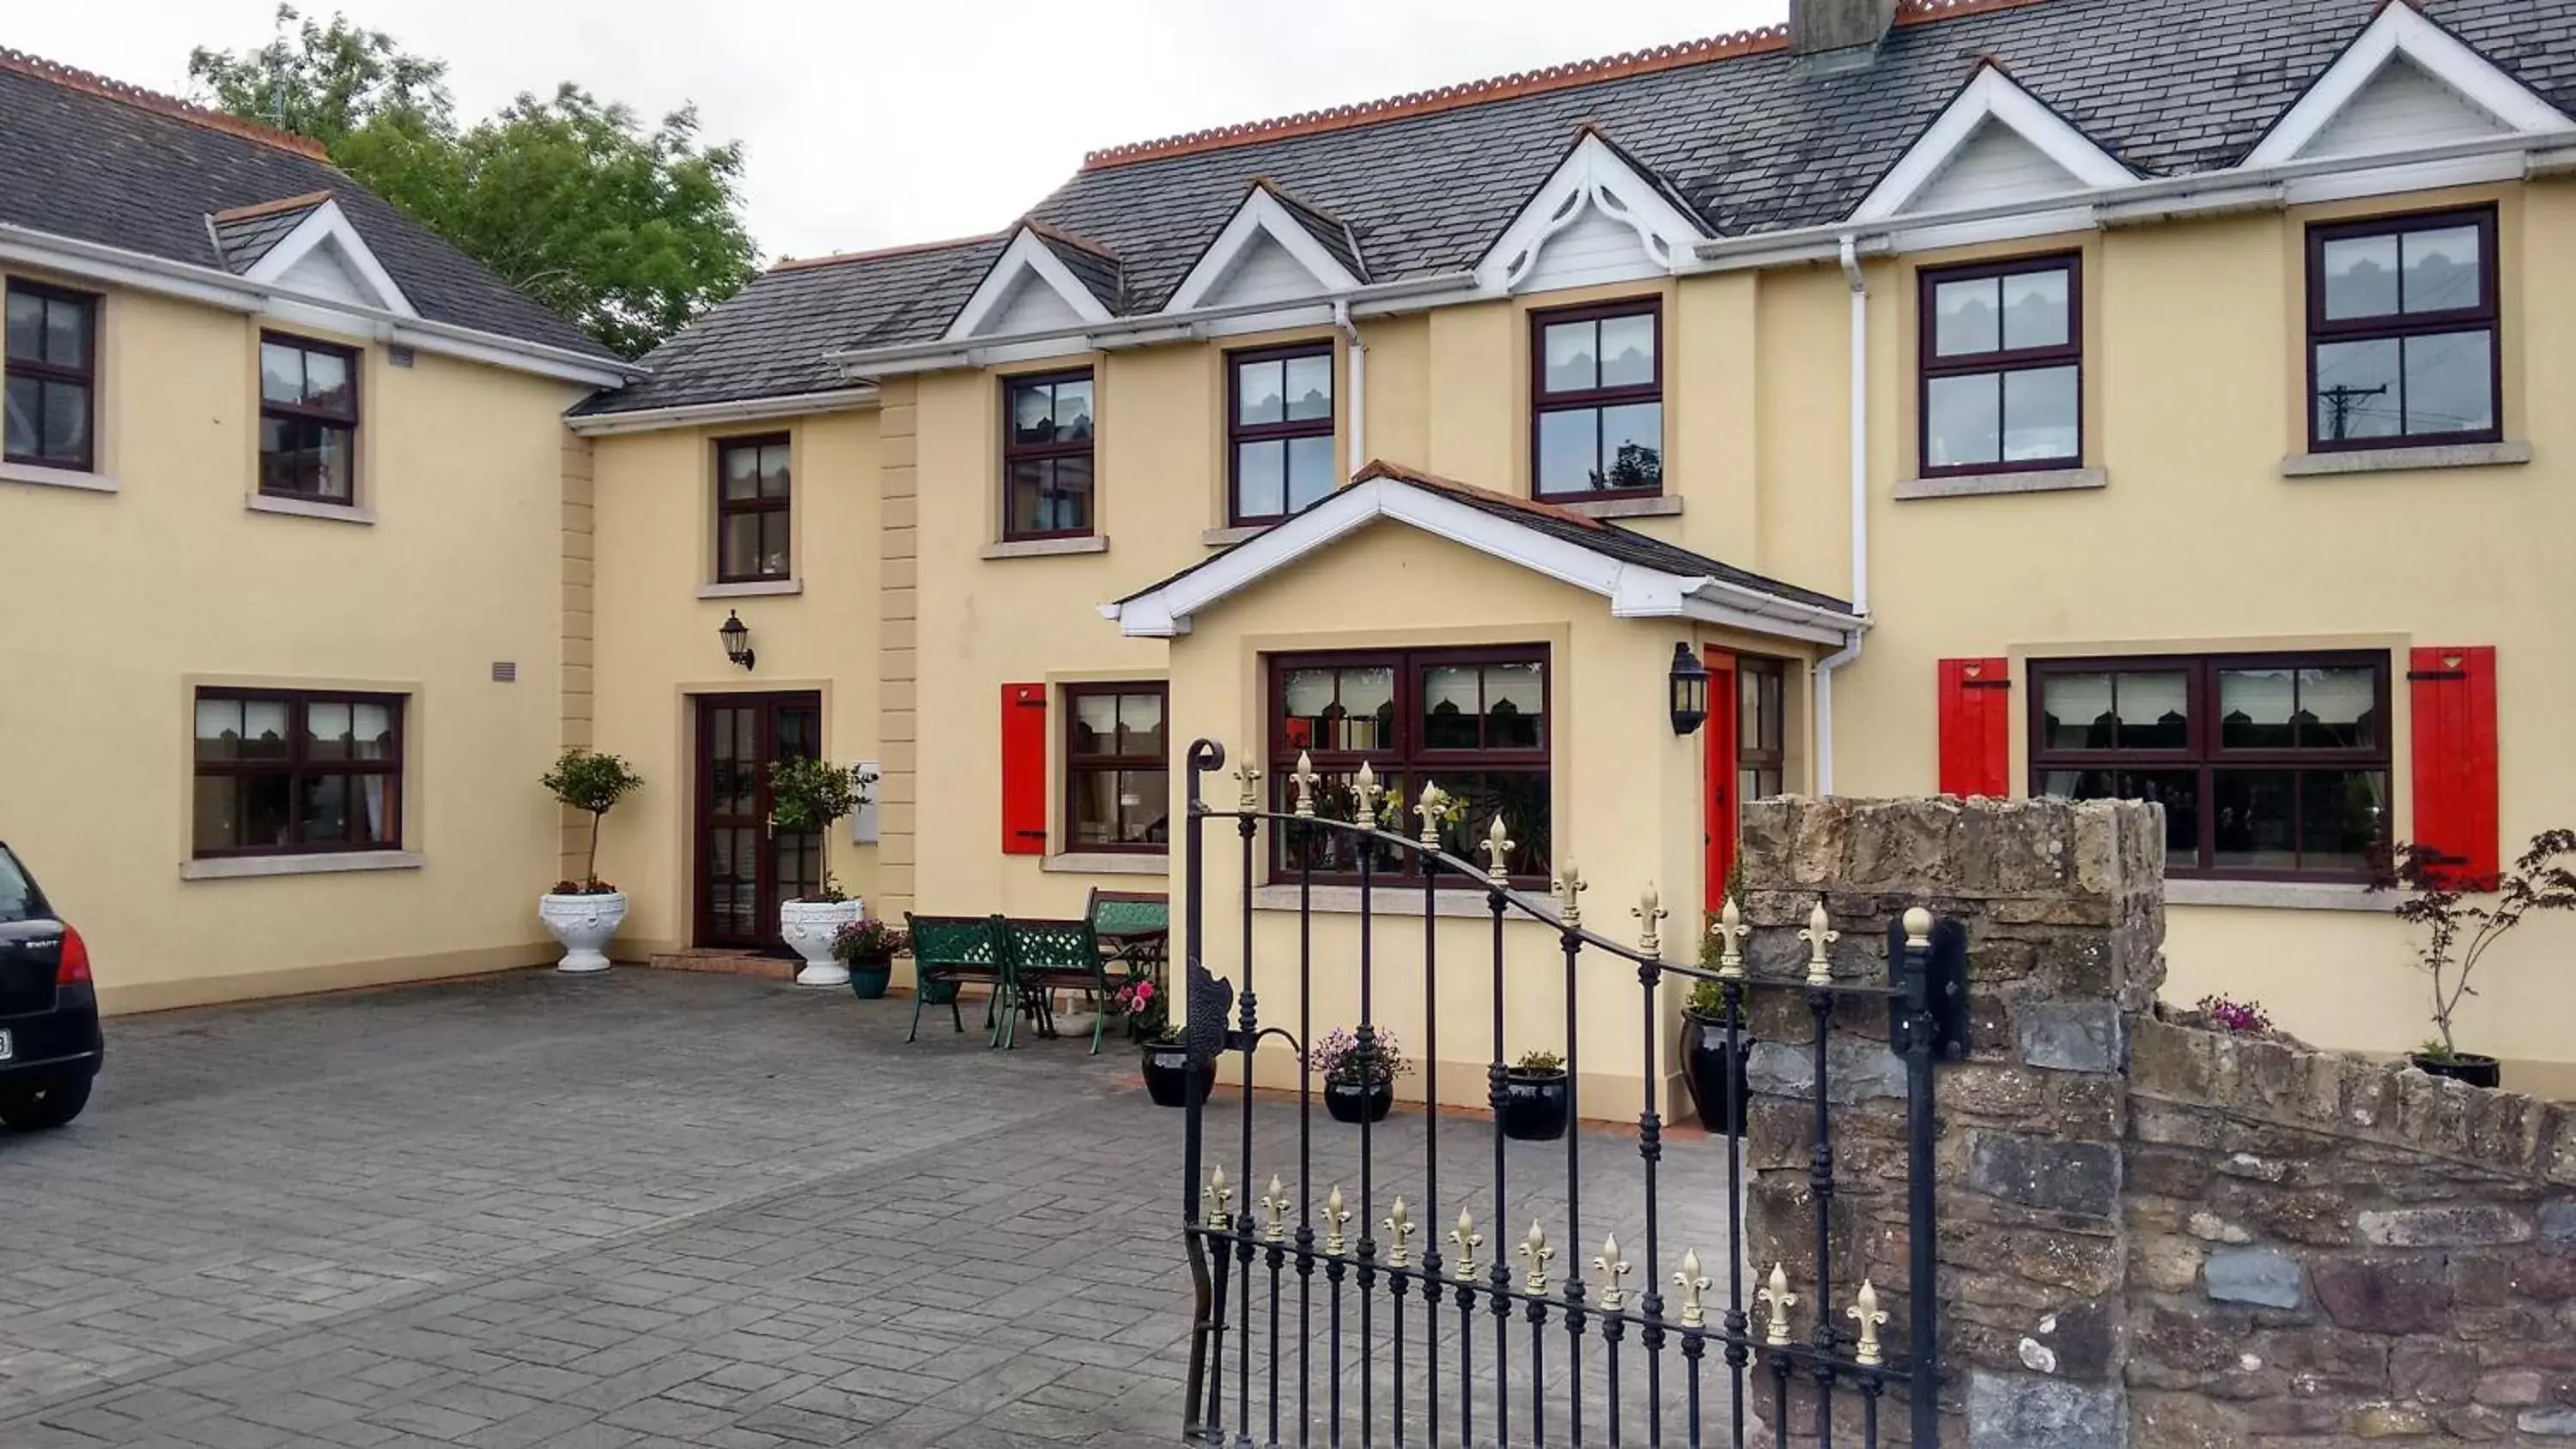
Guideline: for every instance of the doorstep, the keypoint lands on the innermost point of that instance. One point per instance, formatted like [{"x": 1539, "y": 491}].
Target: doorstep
[{"x": 728, "y": 963}]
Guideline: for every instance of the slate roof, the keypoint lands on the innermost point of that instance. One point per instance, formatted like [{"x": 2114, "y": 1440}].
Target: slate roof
[
  {"x": 246, "y": 234},
  {"x": 1744, "y": 139},
  {"x": 90, "y": 159},
  {"x": 1329, "y": 231},
  {"x": 1094, "y": 266}
]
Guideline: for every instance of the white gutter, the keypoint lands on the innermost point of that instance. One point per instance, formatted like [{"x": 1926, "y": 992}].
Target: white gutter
[
  {"x": 643, "y": 420},
  {"x": 216, "y": 287},
  {"x": 1356, "y": 383},
  {"x": 1826, "y": 667}
]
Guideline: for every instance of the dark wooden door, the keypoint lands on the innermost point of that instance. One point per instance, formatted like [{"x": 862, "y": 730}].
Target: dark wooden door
[{"x": 744, "y": 866}]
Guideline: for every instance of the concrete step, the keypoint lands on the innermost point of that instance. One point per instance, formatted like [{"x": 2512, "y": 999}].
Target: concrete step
[{"x": 729, "y": 963}]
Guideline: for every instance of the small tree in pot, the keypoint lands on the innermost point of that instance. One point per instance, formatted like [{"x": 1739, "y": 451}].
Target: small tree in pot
[
  {"x": 582, "y": 915},
  {"x": 810, "y": 795},
  {"x": 1537, "y": 1098},
  {"x": 2459, "y": 932}
]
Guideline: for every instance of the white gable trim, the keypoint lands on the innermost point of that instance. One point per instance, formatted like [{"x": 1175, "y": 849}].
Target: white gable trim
[
  {"x": 1260, "y": 215},
  {"x": 325, "y": 225},
  {"x": 1028, "y": 255},
  {"x": 1634, "y": 591},
  {"x": 1592, "y": 177},
  {"x": 2399, "y": 30},
  {"x": 1994, "y": 96}
]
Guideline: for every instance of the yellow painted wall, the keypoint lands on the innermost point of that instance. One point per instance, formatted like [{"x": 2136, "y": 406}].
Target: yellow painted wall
[{"x": 121, "y": 602}]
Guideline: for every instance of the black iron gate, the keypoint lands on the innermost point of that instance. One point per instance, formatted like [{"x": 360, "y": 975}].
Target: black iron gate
[{"x": 1400, "y": 1343}]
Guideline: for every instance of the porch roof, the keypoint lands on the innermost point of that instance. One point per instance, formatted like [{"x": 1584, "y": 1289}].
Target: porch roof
[{"x": 1642, "y": 577}]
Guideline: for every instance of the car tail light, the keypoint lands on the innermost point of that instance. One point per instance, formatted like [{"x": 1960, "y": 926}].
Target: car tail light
[{"x": 73, "y": 969}]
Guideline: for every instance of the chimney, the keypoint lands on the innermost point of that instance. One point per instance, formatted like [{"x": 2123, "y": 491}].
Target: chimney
[{"x": 1837, "y": 37}]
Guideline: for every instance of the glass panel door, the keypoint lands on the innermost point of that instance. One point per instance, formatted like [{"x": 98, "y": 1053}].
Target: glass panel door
[{"x": 744, "y": 866}]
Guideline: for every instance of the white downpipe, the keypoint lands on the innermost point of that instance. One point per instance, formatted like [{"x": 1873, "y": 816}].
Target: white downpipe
[
  {"x": 1357, "y": 383},
  {"x": 1826, "y": 666}
]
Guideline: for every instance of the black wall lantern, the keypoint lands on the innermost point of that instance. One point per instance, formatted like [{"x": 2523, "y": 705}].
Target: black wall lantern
[
  {"x": 1690, "y": 691},
  {"x": 737, "y": 643}
]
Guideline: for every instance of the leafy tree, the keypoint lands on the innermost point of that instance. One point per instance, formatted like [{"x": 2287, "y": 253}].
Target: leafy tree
[
  {"x": 592, "y": 782},
  {"x": 630, "y": 231}
]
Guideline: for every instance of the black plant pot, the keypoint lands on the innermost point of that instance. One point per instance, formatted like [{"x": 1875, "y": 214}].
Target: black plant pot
[
  {"x": 2469, "y": 1067},
  {"x": 1167, "y": 1074},
  {"x": 1535, "y": 1105},
  {"x": 1716, "y": 1079},
  {"x": 1351, "y": 1102}
]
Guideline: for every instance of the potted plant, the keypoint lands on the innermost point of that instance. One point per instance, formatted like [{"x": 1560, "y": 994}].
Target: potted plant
[
  {"x": 582, "y": 915},
  {"x": 1167, "y": 1063},
  {"x": 1357, "y": 1090},
  {"x": 867, "y": 949},
  {"x": 2458, "y": 932},
  {"x": 1537, "y": 1098},
  {"x": 809, "y": 795}
]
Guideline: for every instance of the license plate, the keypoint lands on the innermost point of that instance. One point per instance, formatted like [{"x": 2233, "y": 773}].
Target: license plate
[{"x": 8, "y": 1048}]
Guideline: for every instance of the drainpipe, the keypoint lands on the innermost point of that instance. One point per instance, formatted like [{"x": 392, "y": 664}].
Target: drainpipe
[
  {"x": 1850, "y": 651},
  {"x": 1357, "y": 384}
]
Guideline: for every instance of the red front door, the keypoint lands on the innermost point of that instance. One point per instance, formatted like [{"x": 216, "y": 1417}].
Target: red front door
[{"x": 1719, "y": 773}]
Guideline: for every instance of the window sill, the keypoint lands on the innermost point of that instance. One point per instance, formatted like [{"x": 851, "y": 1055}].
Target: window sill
[
  {"x": 2278, "y": 895},
  {"x": 1107, "y": 862},
  {"x": 236, "y": 867},
  {"x": 1343, "y": 900},
  {"x": 306, "y": 508},
  {"x": 2406, "y": 460},
  {"x": 44, "y": 477},
  {"x": 752, "y": 589},
  {"x": 1047, "y": 547},
  {"x": 1238, "y": 533},
  {"x": 1980, "y": 485},
  {"x": 1666, "y": 506}
]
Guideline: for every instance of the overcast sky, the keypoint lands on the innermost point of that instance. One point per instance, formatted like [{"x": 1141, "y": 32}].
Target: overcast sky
[{"x": 869, "y": 123}]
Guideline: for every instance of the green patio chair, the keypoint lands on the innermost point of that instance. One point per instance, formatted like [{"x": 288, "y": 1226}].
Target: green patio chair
[
  {"x": 1045, "y": 957},
  {"x": 954, "y": 950}
]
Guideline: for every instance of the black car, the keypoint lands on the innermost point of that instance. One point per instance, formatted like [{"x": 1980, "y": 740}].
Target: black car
[{"x": 49, "y": 1040}]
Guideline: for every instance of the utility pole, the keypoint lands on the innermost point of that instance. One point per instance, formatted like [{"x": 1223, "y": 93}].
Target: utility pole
[{"x": 2342, "y": 401}]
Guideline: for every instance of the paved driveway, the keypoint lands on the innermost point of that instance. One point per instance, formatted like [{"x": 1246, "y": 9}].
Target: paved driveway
[{"x": 651, "y": 1209}]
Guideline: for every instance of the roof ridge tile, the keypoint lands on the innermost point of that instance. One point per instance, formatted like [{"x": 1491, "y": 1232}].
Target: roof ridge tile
[
  {"x": 834, "y": 259},
  {"x": 54, "y": 72}
]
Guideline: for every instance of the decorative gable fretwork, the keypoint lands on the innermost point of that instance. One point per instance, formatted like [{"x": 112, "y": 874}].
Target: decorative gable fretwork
[{"x": 1600, "y": 217}]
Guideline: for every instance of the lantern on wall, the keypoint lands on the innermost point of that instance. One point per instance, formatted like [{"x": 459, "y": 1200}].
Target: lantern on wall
[
  {"x": 737, "y": 642},
  {"x": 1689, "y": 690}
]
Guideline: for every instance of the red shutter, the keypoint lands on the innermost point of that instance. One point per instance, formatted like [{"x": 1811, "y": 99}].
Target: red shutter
[
  {"x": 1024, "y": 769},
  {"x": 1976, "y": 727},
  {"x": 2454, "y": 697}
]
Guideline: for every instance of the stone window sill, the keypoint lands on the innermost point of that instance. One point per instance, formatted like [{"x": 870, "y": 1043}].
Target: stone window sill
[
  {"x": 307, "y": 508},
  {"x": 238, "y": 867},
  {"x": 1342, "y": 900},
  {"x": 44, "y": 477},
  {"x": 2277, "y": 895},
  {"x": 1106, "y": 862},
  {"x": 1982, "y": 485},
  {"x": 1666, "y": 506},
  {"x": 1229, "y": 537},
  {"x": 1047, "y": 547},
  {"x": 2406, "y": 460},
  {"x": 752, "y": 589}
]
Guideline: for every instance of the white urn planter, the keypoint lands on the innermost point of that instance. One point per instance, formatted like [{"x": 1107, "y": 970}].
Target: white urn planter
[
  {"x": 581, "y": 925},
  {"x": 808, "y": 928}
]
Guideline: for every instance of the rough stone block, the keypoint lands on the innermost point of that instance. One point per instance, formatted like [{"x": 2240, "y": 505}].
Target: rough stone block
[
  {"x": 2266, "y": 1277},
  {"x": 2558, "y": 1223},
  {"x": 1855, "y": 1071},
  {"x": 2046, "y": 1172},
  {"x": 2072, "y": 1036},
  {"x": 2519, "y": 1388},
  {"x": 2460, "y": 1225},
  {"x": 2549, "y": 1277},
  {"x": 2011, "y": 1411},
  {"x": 2558, "y": 1423},
  {"x": 2391, "y": 1421},
  {"x": 2383, "y": 1295}
]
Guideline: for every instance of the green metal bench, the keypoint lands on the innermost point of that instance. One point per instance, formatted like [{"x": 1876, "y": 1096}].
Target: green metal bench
[
  {"x": 1043, "y": 957},
  {"x": 956, "y": 950}
]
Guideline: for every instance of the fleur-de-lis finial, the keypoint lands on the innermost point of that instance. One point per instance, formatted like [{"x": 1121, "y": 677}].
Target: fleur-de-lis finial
[
  {"x": 1570, "y": 887},
  {"x": 1537, "y": 1254},
  {"x": 1275, "y": 1203},
  {"x": 1431, "y": 807},
  {"x": 1612, "y": 1268},
  {"x": 1731, "y": 932},
  {"x": 1399, "y": 1226},
  {"x": 1219, "y": 1196},
  {"x": 1336, "y": 1217},
  {"x": 1693, "y": 1283},
  {"x": 1248, "y": 776},
  {"x": 1866, "y": 1312},
  {"x": 1304, "y": 775},
  {"x": 1777, "y": 1295},
  {"x": 1366, "y": 789},
  {"x": 1819, "y": 935},
  {"x": 1498, "y": 849},
  {"x": 1649, "y": 910},
  {"x": 1468, "y": 1241}
]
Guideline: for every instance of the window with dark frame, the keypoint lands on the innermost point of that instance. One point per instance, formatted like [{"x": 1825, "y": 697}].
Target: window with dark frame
[
  {"x": 51, "y": 367},
  {"x": 292, "y": 772},
  {"x": 1597, "y": 402},
  {"x": 1761, "y": 728},
  {"x": 1473, "y": 721},
  {"x": 2402, "y": 331},
  {"x": 1117, "y": 769},
  {"x": 2002, "y": 352},
  {"x": 753, "y": 509},
  {"x": 1279, "y": 430},
  {"x": 308, "y": 419},
  {"x": 1046, "y": 456},
  {"x": 2270, "y": 766}
]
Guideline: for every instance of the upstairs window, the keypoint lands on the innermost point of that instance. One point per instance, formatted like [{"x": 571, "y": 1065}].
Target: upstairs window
[
  {"x": 292, "y": 772},
  {"x": 52, "y": 377},
  {"x": 752, "y": 509},
  {"x": 2002, "y": 348},
  {"x": 1280, "y": 429},
  {"x": 2402, "y": 336},
  {"x": 1598, "y": 398},
  {"x": 308, "y": 419},
  {"x": 1046, "y": 456}
]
